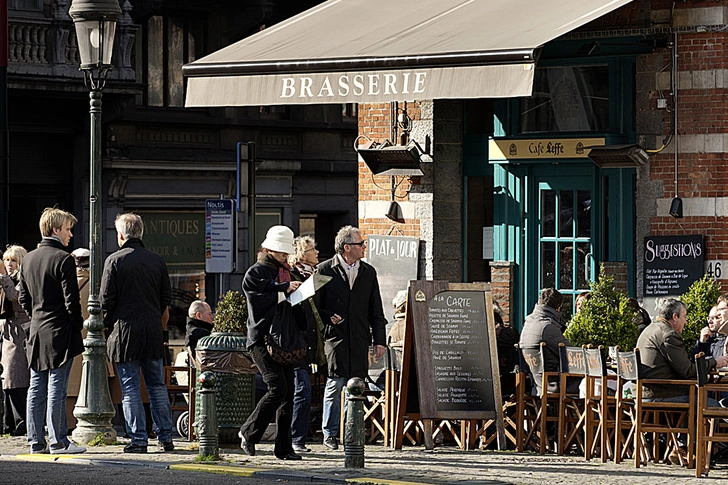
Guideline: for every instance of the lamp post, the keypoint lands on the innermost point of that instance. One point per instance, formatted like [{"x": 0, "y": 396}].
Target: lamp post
[{"x": 95, "y": 22}]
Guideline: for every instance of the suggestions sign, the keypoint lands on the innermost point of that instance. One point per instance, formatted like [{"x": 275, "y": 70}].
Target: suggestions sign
[{"x": 672, "y": 264}]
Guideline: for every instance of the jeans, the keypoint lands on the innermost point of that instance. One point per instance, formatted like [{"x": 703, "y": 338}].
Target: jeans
[
  {"x": 47, "y": 407},
  {"x": 278, "y": 400},
  {"x": 301, "y": 407},
  {"x": 131, "y": 400},
  {"x": 332, "y": 406}
]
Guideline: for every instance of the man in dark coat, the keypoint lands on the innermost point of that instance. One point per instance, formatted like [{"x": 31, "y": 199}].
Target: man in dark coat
[
  {"x": 135, "y": 293},
  {"x": 544, "y": 325},
  {"x": 711, "y": 342},
  {"x": 351, "y": 308},
  {"x": 199, "y": 324},
  {"x": 49, "y": 295}
]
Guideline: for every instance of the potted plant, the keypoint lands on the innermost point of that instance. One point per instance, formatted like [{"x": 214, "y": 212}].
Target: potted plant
[
  {"x": 224, "y": 353},
  {"x": 606, "y": 318},
  {"x": 699, "y": 299}
]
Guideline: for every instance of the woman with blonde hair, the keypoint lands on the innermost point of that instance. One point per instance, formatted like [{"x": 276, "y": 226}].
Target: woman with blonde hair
[{"x": 14, "y": 327}]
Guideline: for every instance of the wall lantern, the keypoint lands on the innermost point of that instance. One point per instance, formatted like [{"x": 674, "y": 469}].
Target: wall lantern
[
  {"x": 386, "y": 159},
  {"x": 618, "y": 156}
]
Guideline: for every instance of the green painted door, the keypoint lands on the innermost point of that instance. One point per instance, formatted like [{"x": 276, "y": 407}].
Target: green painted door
[{"x": 565, "y": 236}]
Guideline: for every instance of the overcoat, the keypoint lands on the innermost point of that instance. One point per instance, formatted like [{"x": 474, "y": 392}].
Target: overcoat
[
  {"x": 347, "y": 344},
  {"x": 543, "y": 325},
  {"x": 49, "y": 295},
  {"x": 12, "y": 331},
  {"x": 135, "y": 291}
]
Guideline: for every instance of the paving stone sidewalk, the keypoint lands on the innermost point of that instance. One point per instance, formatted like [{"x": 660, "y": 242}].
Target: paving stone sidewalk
[{"x": 445, "y": 465}]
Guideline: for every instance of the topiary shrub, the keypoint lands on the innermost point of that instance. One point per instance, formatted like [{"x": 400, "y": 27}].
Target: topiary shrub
[
  {"x": 231, "y": 314},
  {"x": 606, "y": 318},
  {"x": 699, "y": 299}
]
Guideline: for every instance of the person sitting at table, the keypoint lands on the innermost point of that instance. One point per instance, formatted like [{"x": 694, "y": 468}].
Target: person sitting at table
[{"x": 711, "y": 342}]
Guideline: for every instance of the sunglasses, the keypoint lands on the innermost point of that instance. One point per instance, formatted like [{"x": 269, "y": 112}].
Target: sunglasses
[{"x": 360, "y": 243}]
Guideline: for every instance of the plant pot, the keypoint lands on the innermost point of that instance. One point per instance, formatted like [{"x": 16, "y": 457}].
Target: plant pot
[{"x": 235, "y": 390}]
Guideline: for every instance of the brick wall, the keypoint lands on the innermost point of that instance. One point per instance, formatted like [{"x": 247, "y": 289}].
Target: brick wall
[
  {"x": 618, "y": 270},
  {"x": 501, "y": 285}
]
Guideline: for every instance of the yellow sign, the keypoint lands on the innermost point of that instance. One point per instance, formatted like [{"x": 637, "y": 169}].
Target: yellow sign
[{"x": 543, "y": 148}]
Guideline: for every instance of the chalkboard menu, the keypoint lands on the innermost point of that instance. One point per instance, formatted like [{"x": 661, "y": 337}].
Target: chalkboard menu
[
  {"x": 395, "y": 258},
  {"x": 672, "y": 264},
  {"x": 461, "y": 361}
]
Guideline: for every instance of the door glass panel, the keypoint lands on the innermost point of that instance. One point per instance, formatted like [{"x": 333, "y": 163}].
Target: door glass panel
[
  {"x": 566, "y": 213},
  {"x": 582, "y": 249},
  {"x": 583, "y": 219},
  {"x": 548, "y": 265},
  {"x": 548, "y": 213},
  {"x": 566, "y": 266}
]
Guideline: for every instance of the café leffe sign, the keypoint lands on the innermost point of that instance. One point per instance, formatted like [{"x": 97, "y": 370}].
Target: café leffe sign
[{"x": 543, "y": 148}]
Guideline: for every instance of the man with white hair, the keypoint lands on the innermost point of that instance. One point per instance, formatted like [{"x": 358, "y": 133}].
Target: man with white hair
[{"x": 135, "y": 293}]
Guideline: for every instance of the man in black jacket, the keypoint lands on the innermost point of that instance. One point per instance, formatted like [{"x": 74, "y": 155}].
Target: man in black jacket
[
  {"x": 199, "y": 324},
  {"x": 711, "y": 342},
  {"x": 135, "y": 293},
  {"x": 351, "y": 308},
  {"x": 49, "y": 295}
]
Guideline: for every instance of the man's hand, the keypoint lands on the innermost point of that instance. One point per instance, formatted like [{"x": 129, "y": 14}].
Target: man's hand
[
  {"x": 721, "y": 361},
  {"x": 293, "y": 286},
  {"x": 336, "y": 319},
  {"x": 379, "y": 350},
  {"x": 705, "y": 334}
]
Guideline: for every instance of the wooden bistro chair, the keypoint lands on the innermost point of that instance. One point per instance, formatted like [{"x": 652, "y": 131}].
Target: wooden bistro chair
[
  {"x": 600, "y": 420},
  {"x": 658, "y": 418},
  {"x": 527, "y": 407},
  {"x": 572, "y": 407},
  {"x": 548, "y": 404},
  {"x": 710, "y": 421}
]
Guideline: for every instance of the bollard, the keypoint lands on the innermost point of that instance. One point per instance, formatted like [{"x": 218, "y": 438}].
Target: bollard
[
  {"x": 354, "y": 426},
  {"x": 206, "y": 420}
]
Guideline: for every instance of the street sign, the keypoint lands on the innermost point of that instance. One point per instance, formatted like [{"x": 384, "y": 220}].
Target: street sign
[{"x": 219, "y": 235}]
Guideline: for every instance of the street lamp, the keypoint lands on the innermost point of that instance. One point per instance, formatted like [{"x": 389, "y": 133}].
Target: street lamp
[{"x": 95, "y": 22}]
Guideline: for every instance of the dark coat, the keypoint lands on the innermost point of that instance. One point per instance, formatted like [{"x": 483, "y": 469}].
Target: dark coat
[
  {"x": 49, "y": 295},
  {"x": 309, "y": 318},
  {"x": 196, "y": 329},
  {"x": 663, "y": 356},
  {"x": 347, "y": 344},
  {"x": 715, "y": 346},
  {"x": 135, "y": 291},
  {"x": 263, "y": 294}
]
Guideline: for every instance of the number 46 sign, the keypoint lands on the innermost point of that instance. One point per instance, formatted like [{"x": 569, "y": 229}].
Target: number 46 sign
[{"x": 714, "y": 268}]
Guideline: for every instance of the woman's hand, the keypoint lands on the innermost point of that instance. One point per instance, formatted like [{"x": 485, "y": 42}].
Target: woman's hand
[{"x": 293, "y": 286}]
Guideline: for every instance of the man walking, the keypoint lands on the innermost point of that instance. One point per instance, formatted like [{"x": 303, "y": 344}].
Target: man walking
[
  {"x": 351, "y": 308},
  {"x": 49, "y": 295},
  {"x": 135, "y": 292}
]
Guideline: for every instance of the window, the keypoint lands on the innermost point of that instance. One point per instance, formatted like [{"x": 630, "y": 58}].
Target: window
[
  {"x": 567, "y": 99},
  {"x": 349, "y": 110}
]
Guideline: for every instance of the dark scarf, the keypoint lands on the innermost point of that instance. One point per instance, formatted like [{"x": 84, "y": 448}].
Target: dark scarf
[
  {"x": 305, "y": 269},
  {"x": 284, "y": 270}
]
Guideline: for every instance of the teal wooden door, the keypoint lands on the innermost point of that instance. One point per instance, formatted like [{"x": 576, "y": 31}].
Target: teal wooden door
[{"x": 565, "y": 235}]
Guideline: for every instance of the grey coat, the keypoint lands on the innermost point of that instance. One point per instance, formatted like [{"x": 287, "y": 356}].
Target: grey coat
[
  {"x": 543, "y": 325},
  {"x": 49, "y": 295},
  {"x": 16, "y": 373},
  {"x": 663, "y": 356}
]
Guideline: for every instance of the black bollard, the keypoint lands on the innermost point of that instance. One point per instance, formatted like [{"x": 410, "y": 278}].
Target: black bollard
[
  {"x": 354, "y": 426},
  {"x": 206, "y": 420}
]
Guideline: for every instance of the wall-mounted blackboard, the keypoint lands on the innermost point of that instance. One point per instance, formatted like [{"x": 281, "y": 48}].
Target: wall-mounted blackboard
[
  {"x": 672, "y": 264},
  {"x": 395, "y": 259}
]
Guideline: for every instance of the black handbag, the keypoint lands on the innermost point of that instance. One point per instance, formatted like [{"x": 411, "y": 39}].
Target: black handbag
[{"x": 284, "y": 342}]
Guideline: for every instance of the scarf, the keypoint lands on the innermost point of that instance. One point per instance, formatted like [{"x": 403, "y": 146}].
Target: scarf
[
  {"x": 305, "y": 269},
  {"x": 284, "y": 270}
]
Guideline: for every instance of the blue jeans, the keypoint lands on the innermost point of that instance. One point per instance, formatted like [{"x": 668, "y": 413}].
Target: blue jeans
[
  {"x": 131, "y": 400},
  {"x": 47, "y": 407},
  {"x": 332, "y": 406},
  {"x": 301, "y": 407}
]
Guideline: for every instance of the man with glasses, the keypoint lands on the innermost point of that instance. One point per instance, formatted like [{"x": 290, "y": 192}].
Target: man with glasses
[
  {"x": 711, "y": 341},
  {"x": 351, "y": 309}
]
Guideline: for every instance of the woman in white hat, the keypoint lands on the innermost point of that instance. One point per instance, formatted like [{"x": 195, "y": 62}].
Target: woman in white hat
[{"x": 266, "y": 285}]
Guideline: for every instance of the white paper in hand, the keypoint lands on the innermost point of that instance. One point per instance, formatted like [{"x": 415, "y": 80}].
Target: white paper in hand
[{"x": 308, "y": 288}]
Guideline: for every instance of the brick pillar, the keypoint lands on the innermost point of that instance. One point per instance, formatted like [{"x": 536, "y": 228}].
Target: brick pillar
[
  {"x": 501, "y": 284},
  {"x": 618, "y": 270}
]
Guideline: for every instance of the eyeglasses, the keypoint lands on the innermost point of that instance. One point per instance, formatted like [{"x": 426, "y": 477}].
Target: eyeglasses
[
  {"x": 310, "y": 249},
  {"x": 360, "y": 243}
]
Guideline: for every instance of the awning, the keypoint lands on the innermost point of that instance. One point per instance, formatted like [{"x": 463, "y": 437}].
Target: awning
[{"x": 370, "y": 51}]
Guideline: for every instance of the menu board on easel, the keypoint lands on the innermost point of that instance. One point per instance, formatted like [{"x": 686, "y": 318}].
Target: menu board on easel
[{"x": 450, "y": 349}]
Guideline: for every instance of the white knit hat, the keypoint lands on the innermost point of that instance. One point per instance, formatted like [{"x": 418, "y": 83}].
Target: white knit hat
[
  {"x": 279, "y": 238},
  {"x": 81, "y": 253}
]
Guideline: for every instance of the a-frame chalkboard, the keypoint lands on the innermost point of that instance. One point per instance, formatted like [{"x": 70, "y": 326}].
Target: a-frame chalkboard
[{"x": 449, "y": 359}]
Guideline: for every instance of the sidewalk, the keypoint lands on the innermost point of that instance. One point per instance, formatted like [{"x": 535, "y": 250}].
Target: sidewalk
[{"x": 446, "y": 465}]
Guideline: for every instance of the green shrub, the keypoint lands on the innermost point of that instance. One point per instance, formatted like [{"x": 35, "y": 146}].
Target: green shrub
[
  {"x": 699, "y": 299},
  {"x": 606, "y": 318},
  {"x": 231, "y": 314}
]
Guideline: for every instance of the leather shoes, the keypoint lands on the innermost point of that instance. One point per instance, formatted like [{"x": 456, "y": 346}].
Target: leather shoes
[
  {"x": 248, "y": 448},
  {"x": 165, "y": 446},
  {"x": 135, "y": 448},
  {"x": 331, "y": 443},
  {"x": 289, "y": 456}
]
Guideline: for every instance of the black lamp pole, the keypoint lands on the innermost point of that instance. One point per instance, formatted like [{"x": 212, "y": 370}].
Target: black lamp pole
[{"x": 95, "y": 22}]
